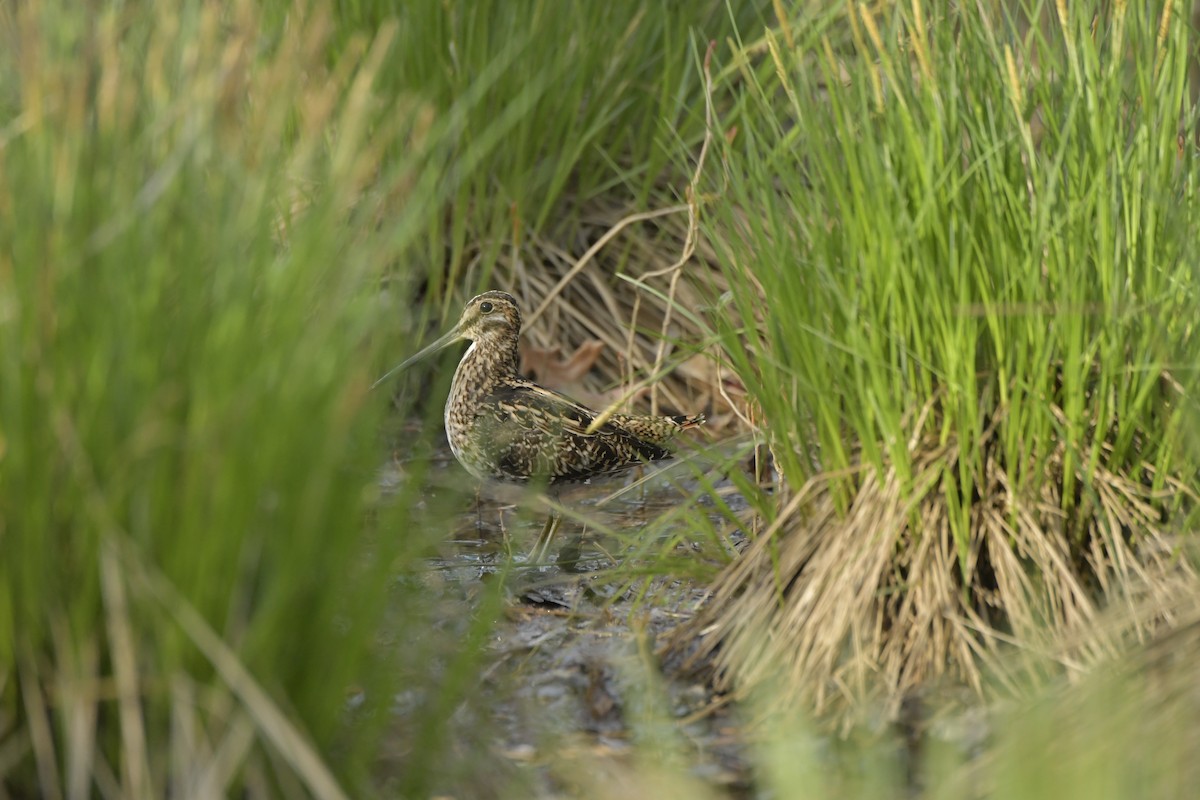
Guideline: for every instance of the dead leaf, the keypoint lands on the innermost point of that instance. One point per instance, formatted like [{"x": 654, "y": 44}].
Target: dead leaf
[{"x": 547, "y": 367}]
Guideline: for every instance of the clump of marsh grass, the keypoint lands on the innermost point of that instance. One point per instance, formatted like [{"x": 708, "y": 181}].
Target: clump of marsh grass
[
  {"x": 966, "y": 342},
  {"x": 846, "y": 600}
]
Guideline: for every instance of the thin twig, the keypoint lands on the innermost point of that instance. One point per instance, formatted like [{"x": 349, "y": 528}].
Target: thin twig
[
  {"x": 596, "y": 248},
  {"x": 689, "y": 244}
]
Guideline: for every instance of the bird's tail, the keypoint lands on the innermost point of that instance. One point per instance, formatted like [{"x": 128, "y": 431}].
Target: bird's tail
[
  {"x": 685, "y": 422},
  {"x": 654, "y": 429}
]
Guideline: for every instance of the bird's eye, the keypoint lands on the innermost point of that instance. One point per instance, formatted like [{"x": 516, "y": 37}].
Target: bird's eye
[{"x": 486, "y": 308}]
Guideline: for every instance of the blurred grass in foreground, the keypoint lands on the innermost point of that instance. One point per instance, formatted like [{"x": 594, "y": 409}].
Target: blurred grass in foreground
[{"x": 198, "y": 208}]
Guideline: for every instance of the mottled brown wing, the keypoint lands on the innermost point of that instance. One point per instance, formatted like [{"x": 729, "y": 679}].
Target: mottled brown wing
[
  {"x": 537, "y": 433},
  {"x": 532, "y": 406}
]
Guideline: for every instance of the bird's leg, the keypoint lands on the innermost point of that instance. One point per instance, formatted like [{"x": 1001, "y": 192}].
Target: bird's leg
[
  {"x": 542, "y": 545},
  {"x": 570, "y": 554},
  {"x": 504, "y": 533},
  {"x": 478, "y": 509}
]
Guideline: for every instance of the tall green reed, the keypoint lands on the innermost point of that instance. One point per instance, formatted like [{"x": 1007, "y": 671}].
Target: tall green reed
[{"x": 945, "y": 223}]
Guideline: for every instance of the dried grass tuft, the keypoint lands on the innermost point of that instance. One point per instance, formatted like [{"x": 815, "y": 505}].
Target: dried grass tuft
[{"x": 874, "y": 602}]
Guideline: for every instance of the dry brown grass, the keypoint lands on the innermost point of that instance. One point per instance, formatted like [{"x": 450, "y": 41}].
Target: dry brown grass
[
  {"x": 608, "y": 302},
  {"x": 874, "y": 602}
]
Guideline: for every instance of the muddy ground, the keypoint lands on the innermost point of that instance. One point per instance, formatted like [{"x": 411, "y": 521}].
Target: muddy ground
[
  {"x": 573, "y": 673},
  {"x": 575, "y": 684}
]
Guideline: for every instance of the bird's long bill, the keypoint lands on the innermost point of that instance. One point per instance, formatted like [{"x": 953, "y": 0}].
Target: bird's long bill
[{"x": 445, "y": 341}]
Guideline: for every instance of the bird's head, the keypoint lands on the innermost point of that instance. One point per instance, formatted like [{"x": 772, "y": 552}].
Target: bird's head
[{"x": 491, "y": 316}]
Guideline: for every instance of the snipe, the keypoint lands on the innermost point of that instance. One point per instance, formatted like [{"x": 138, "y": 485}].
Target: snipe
[{"x": 503, "y": 427}]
